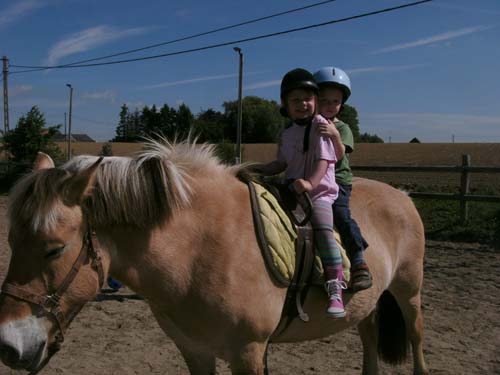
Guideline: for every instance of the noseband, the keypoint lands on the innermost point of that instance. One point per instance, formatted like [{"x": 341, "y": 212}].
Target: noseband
[{"x": 50, "y": 303}]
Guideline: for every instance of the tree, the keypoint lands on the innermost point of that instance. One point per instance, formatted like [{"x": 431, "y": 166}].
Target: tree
[
  {"x": 415, "y": 140},
  {"x": 369, "y": 138},
  {"x": 168, "y": 120},
  {"x": 261, "y": 120},
  {"x": 185, "y": 121},
  {"x": 106, "y": 150},
  {"x": 30, "y": 136},
  {"x": 150, "y": 119},
  {"x": 349, "y": 115},
  {"x": 209, "y": 126}
]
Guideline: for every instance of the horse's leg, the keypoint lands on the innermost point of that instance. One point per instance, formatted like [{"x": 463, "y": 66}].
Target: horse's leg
[
  {"x": 411, "y": 308},
  {"x": 368, "y": 331},
  {"x": 198, "y": 363},
  {"x": 249, "y": 359}
]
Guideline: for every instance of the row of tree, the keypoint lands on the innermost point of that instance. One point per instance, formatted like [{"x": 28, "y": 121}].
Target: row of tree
[
  {"x": 261, "y": 119},
  {"x": 262, "y": 123}
]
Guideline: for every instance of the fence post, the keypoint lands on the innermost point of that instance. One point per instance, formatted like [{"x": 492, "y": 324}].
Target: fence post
[{"x": 464, "y": 188}]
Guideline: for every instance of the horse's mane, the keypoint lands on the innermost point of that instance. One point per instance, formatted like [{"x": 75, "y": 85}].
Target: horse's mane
[{"x": 142, "y": 190}]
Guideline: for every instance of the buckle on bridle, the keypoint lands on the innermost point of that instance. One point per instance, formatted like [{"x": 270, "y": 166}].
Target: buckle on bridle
[{"x": 52, "y": 301}]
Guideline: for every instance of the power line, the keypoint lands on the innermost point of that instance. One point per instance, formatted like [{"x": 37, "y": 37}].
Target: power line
[
  {"x": 204, "y": 33},
  {"x": 239, "y": 41},
  {"x": 27, "y": 70},
  {"x": 187, "y": 37}
]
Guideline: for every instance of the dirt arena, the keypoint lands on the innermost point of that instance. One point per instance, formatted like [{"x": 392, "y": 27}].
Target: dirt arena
[{"x": 117, "y": 334}]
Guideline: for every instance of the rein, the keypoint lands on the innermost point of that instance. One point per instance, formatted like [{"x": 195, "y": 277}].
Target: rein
[{"x": 50, "y": 303}]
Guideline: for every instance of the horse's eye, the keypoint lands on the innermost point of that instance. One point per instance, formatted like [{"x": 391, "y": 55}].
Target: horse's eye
[{"x": 53, "y": 253}]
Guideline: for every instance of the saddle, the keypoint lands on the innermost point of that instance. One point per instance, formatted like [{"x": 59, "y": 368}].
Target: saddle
[{"x": 305, "y": 269}]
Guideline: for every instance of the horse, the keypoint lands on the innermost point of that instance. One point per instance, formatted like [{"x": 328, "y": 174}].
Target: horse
[{"x": 175, "y": 225}]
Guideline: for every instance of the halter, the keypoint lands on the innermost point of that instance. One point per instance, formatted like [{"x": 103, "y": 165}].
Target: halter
[{"x": 50, "y": 303}]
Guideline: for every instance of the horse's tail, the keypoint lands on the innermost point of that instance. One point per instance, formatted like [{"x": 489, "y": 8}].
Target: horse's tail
[{"x": 393, "y": 342}]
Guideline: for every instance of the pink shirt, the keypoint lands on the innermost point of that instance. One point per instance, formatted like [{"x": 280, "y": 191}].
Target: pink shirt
[{"x": 300, "y": 164}]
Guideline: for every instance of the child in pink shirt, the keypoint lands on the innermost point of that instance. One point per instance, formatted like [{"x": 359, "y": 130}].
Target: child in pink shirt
[{"x": 309, "y": 158}]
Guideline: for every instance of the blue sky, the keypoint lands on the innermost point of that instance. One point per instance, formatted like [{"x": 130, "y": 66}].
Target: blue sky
[{"x": 431, "y": 71}]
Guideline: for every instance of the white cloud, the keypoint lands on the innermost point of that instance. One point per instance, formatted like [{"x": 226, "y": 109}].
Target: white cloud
[
  {"x": 19, "y": 89},
  {"x": 382, "y": 69},
  {"x": 260, "y": 85},
  {"x": 191, "y": 80},
  {"x": 89, "y": 39},
  {"x": 106, "y": 95},
  {"x": 434, "y": 39},
  {"x": 18, "y": 9}
]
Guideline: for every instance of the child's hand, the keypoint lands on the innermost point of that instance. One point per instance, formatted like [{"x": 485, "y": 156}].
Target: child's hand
[
  {"x": 328, "y": 129},
  {"x": 301, "y": 186}
]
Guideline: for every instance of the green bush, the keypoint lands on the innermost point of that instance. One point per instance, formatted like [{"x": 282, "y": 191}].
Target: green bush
[{"x": 225, "y": 151}]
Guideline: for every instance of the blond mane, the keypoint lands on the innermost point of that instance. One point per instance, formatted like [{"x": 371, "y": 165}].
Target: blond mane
[{"x": 142, "y": 190}]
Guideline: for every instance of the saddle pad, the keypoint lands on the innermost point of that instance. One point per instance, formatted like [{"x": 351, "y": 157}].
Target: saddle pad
[{"x": 280, "y": 234}]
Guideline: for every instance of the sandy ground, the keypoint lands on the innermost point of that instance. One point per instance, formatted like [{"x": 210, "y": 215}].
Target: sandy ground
[{"x": 117, "y": 334}]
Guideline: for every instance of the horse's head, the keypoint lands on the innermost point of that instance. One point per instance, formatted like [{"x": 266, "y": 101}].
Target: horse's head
[{"x": 54, "y": 268}]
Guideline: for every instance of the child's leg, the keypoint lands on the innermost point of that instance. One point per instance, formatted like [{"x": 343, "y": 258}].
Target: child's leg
[
  {"x": 352, "y": 239},
  {"x": 329, "y": 252},
  {"x": 348, "y": 229}
]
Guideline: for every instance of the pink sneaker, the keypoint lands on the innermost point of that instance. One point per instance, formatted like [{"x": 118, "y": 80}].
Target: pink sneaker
[{"x": 334, "y": 290}]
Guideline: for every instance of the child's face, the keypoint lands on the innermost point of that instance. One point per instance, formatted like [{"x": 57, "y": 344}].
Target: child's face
[
  {"x": 330, "y": 101},
  {"x": 300, "y": 104}
]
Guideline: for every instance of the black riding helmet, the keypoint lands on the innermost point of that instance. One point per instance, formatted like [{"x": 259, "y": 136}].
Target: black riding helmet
[{"x": 298, "y": 79}]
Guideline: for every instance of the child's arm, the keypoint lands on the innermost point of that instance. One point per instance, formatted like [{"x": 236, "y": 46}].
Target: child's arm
[
  {"x": 329, "y": 130},
  {"x": 319, "y": 171}
]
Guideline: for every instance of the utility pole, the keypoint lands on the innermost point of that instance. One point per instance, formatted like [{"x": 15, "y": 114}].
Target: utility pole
[
  {"x": 5, "y": 95},
  {"x": 240, "y": 108},
  {"x": 65, "y": 128},
  {"x": 69, "y": 125}
]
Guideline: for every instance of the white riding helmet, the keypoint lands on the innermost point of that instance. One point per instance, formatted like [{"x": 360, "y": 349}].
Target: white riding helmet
[{"x": 333, "y": 76}]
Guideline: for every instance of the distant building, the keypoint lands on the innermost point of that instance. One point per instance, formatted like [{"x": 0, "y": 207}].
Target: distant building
[{"x": 415, "y": 140}]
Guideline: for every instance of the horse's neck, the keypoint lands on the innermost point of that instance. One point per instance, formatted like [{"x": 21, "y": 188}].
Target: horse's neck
[{"x": 141, "y": 257}]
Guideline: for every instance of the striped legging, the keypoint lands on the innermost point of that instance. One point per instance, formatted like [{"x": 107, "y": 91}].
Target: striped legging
[{"x": 326, "y": 245}]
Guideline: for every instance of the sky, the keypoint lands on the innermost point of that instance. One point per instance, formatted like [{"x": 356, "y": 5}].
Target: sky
[{"x": 430, "y": 71}]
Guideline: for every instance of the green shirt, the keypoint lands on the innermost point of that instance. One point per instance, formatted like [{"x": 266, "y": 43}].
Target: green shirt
[{"x": 343, "y": 174}]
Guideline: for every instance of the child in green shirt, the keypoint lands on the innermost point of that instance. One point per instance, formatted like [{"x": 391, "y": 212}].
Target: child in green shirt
[{"x": 334, "y": 90}]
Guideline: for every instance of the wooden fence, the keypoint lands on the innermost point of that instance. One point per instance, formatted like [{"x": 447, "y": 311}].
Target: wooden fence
[{"x": 465, "y": 171}]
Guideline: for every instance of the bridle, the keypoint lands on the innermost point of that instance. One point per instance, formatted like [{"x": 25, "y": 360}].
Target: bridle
[{"x": 50, "y": 303}]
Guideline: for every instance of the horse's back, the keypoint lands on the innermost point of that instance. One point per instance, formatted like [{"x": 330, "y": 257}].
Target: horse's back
[
  {"x": 394, "y": 231},
  {"x": 387, "y": 215}
]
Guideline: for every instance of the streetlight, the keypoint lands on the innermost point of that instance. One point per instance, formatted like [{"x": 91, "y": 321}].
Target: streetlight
[
  {"x": 69, "y": 124},
  {"x": 240, "y": 108}
]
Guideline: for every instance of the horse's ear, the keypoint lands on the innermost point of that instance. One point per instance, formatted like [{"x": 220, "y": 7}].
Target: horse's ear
[
  {"x": 43, "y": 161},
  {"x": 80, "y": 185}
]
